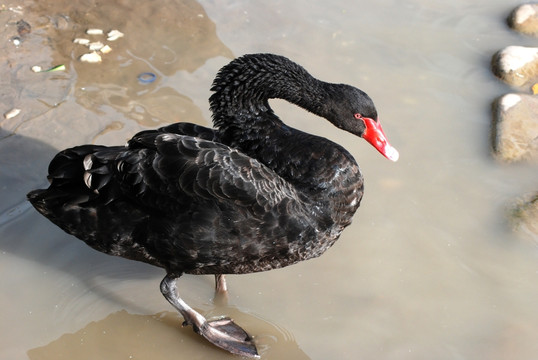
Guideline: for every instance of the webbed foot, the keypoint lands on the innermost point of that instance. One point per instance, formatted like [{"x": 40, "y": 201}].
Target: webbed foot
[
  {"x": 229, "y": 336},
  {"x": 223, "y": 332}
]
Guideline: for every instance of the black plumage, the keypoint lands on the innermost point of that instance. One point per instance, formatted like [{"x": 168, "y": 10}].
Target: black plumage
[{"x": 250, "y": 195}]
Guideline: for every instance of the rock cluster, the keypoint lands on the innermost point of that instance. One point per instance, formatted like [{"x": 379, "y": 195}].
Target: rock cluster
[{"x": 515, "y": 115}]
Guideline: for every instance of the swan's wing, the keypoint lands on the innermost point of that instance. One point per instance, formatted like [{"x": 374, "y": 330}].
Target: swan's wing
[
  {"x": 146, "y": 139},
  {"x": 177, "y": 170},
  {"x": 183, "y": 203}
]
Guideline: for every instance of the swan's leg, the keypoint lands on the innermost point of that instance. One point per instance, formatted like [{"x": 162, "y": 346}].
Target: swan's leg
[
  {"x": 220, "y": 284},
  {"x": 221, "y": 290},
  {"x": 223, "y": 333}
]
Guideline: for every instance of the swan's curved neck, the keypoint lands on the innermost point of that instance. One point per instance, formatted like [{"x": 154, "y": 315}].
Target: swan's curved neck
[{"x": 243, "y": 88}]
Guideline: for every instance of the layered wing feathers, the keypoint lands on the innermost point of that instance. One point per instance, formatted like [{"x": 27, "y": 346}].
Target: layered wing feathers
[{"x": 175, "y": 170}]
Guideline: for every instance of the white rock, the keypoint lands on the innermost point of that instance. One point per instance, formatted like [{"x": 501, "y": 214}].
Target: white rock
[
  {"x": 114, "y": 35},
  {"x": 515, "y": 128},
  {"x": 508, "y": 101},
  {"x": 92, "y": 57},
  {"x": 106, "y": 49},
  {"x": 37, "y": 68},
  {"x": 81, "y": 41},
  {"x": 516, "y": 65},
  {"x": 524, "y": 19},
  {"x": 523, "y": 13},
  {"x": 515, "y": 57},
  {"x": 12, "y": 113},
  {"x": 96, "y": 46},
  {"x": 94, "y": 32}
]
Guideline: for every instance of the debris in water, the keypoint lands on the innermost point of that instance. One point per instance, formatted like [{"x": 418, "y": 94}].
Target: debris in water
[
  {"x": 23, "y": 27},
  {"x": 38, "y": 68},
  {"x": 92, "y": 57},
  {"x": 81, "y": 41},
  {"x": 106, "y": 49},
  {"x": 96, "y": 46},
  {"x": 147, "y": 77},
  {"x": 114, "y": 35},
  {"x": 56, "y": 68},
  {"x": 12, "y": 113},
  {"x": 94, "y": 32}
]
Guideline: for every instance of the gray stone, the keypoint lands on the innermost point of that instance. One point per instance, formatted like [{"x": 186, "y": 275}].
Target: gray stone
[
  {"x": 525, "y": 216},
  {"x": 515, "y": 128},
  {"x": 516, "y": 65},
  {"x": 524, "y": 19}
]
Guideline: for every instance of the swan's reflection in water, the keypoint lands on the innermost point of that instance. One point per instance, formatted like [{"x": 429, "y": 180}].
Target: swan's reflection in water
[{"x": 122, "y": 335}]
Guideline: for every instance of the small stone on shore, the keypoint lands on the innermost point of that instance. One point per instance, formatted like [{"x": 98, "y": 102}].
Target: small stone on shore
[
  {"x": 23, "y": 28},
  {"x": 94, "y": 32},
  {"x": 524, "y": 19},
  {"x": 81, "y": 41},
  {"x": 95, "y": 46},
  {"x": 105, "y": 49},
  {"x": 12, "y": 113},
  {"x": 114, "y": 35},
  {"x": 92, "y": 57},
  {"x": 516, "y": 65},
  {"x": 515, "y": 128},
  {"x": 525, "y": 216}
]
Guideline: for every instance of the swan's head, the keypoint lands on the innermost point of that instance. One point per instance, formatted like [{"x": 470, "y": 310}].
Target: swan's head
[{"x": 354, "y": 111}]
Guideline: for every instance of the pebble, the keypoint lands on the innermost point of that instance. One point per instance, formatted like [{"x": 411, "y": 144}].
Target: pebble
[
  {"x": 525, "y": 215},
  {"x": 524, "y": 19},
  {"x": 12, "y": 113},
  {"x": 23, "y": 28},
  {"x": 105, "y": 49},
  {"x": 515, "y": 128},
  {"x": 37, "y": 68},
  {"x": 516, "y": 65},
  {"x": 81, "y": 41},
  {"x": 96, "y": 46},
  {"x": 61, "y": 22},
  {"x": 92, "y": 57},
  {"x": 114, "y": 35},
  {"x": 94, "y": 32}
]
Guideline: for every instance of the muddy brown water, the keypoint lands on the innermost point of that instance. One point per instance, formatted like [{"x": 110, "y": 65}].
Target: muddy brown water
[{"x": 430, "y": 267}]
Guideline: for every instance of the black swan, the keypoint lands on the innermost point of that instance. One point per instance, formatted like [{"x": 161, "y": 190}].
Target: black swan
[{"x": 250, "y": 195}]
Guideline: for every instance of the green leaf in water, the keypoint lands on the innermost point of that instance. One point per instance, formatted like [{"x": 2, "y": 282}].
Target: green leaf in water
[{"x": 56, "y": 68}]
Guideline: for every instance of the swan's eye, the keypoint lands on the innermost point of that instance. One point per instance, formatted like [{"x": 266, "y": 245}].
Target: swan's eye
[{"x": 358, "y": 116}]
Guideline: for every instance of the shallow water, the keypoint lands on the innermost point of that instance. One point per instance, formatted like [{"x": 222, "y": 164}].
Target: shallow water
[{"x": 430, "y": 268}]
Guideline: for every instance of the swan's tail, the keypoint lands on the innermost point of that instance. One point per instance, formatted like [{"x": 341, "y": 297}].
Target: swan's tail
[{"x": 66, "y": 175}]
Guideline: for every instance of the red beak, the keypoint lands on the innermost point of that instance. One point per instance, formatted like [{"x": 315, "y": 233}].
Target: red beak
[{"x": 374, "y": 135}]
